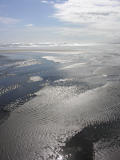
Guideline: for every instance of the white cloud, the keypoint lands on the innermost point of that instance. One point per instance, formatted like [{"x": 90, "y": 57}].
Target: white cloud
[
  {"x": 48, "y": 1},
  {"x": 97, "y": 20},
  {"x": 29, "y": 25},
  {"x": 8, "y": 20},
  {"x": 88, "y": 11},
  {"x": 44, "y": 1}
]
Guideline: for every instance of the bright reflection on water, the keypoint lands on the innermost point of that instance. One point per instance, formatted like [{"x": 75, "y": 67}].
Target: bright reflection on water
[
  {"x": 60, "y": 157},
  {"x": 63, "y": 106}
]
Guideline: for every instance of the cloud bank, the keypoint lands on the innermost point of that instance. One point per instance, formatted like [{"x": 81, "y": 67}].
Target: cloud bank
[
  {"x": 88, "y": 11},
  {"x": 95, "y": 19}
]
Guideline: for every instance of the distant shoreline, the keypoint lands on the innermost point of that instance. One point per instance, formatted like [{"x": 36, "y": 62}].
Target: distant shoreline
[{"x": 41, "y": 50}]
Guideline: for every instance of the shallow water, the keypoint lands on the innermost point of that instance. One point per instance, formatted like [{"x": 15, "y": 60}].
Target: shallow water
[{"x": 60, "y": 106}]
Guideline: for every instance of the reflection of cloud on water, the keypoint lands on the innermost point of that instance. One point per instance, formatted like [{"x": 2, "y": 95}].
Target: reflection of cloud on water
[
  {"x": 76, "y": 65},
  {"x": 25, "y": 63},
  {"x": 36, "y": 78},
  {"x": 28, "y": 63},
  {"x": 55, "y": 59},
  {"x": 63, "y": 80}
]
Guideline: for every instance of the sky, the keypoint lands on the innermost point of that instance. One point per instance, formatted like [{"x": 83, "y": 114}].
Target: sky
[{"x": 59, "y": 21}]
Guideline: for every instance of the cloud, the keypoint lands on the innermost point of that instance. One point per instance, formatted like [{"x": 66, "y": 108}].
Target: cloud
[
  {"x": 49, "y": 1},
  {"x": 88, "y": 11},
  {"x": 92, "y": 20},
  {"x": 29, "y": 25},
  {"x": 8, "y": 20},
  {"x": 44, "y": 1}
]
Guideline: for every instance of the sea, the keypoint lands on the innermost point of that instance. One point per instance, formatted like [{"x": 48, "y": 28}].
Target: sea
[{"x": 60, "y": 104}]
